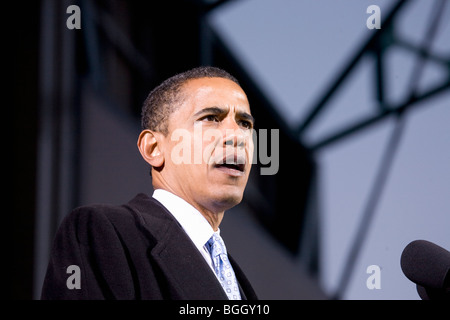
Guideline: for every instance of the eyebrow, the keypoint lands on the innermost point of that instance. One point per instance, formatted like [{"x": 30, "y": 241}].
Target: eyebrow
[{"x": 218, "y": 111}]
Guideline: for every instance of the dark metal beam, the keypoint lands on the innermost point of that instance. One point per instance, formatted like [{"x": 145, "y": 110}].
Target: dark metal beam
[
  {"x": 372, "y": 120},
  {"x": 329, "y": 92}
]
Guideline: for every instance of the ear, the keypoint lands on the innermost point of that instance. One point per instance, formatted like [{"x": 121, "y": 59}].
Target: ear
[{"x": 150, "y": 149}]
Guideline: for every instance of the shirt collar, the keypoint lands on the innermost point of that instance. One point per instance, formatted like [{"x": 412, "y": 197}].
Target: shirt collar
[{"x": 191, "y": 220}]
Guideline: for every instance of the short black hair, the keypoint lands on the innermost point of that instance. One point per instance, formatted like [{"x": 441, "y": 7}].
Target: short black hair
[{"x": 165, "y": 98}]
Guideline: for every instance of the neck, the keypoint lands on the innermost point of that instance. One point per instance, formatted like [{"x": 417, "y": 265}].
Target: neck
[
  {"x": 213, "y": 215},
  {"x": 213, "y": 218}
]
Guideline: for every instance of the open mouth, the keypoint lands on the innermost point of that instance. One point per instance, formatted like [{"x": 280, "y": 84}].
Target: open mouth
[
  {"x": 233, "y": 165},
  {"x": 239, "y": 167}
]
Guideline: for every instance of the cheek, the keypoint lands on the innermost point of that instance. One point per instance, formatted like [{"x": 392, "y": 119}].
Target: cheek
[
  {"x": 250, "y": 149},
  {"x": 207, "y": 147}
]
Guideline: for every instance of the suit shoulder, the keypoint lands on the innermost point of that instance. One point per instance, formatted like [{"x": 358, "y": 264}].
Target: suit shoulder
[
  {"x": 99, "y": 209},
  {"x": 124, "y": 219},
  {"x": 86, "y": 221},
  {"x": 98, "y": 213},
  {"x": 95, "y": 222},
  {"x": 109, "y": 211}
]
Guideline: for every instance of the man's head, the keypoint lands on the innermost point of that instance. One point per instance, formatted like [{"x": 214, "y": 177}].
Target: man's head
[
  {"x": 167, "y": 97},
  {"x": 197, "y": 136}
]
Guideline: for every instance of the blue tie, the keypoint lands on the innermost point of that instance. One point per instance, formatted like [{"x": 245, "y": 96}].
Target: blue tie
[{"x": 222, "y": 267}]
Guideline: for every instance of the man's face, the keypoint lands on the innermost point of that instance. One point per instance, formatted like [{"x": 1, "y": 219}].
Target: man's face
[{"x": 209, "y": 148}]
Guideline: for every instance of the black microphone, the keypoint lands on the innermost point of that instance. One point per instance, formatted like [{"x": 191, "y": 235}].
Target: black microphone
[{"x": 428, "y": 266}]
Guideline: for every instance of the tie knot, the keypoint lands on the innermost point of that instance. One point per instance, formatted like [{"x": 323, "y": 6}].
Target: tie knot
[{"x": 217, "y": 246}]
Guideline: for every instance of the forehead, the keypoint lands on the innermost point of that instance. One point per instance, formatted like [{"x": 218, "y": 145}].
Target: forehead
[{"x": 208, "y": 92}]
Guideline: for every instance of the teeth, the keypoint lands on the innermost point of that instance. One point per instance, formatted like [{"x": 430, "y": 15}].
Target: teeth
[
  {"x": 231, "y": 161},
  {"x": 237, "y": 163},
  {"x": 234, "y": 166}
]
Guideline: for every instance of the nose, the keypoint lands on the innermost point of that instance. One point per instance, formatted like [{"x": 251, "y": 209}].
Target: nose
[{"x": 234, "y": 136}]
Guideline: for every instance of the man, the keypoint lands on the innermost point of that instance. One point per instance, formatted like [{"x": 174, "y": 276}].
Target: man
[{"x": 197, "y": 138}]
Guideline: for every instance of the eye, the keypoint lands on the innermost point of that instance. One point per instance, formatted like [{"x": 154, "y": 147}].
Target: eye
[
  {"x": 245, "y": 124},
  {"x": 211, "y": 118}
]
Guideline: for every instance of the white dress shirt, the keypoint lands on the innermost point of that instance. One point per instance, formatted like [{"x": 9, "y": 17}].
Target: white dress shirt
[{"x": 191, "y": 220}]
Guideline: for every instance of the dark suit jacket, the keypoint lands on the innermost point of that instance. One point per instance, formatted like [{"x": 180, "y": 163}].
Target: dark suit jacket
[{"x": 134, "y": 251}]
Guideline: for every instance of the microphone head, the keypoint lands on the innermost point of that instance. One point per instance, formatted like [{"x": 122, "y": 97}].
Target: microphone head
[{"x": 426, "y": 264}]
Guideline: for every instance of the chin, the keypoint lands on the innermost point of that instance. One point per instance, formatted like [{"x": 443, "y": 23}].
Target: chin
[{"x": 227, "y": 197}]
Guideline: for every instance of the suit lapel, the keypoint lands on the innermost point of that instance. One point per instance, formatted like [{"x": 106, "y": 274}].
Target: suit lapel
[
  {"x": 247, "y": 292},
  {"x": 184, "y": 266},
  {"x": 187, "y": 273}
]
